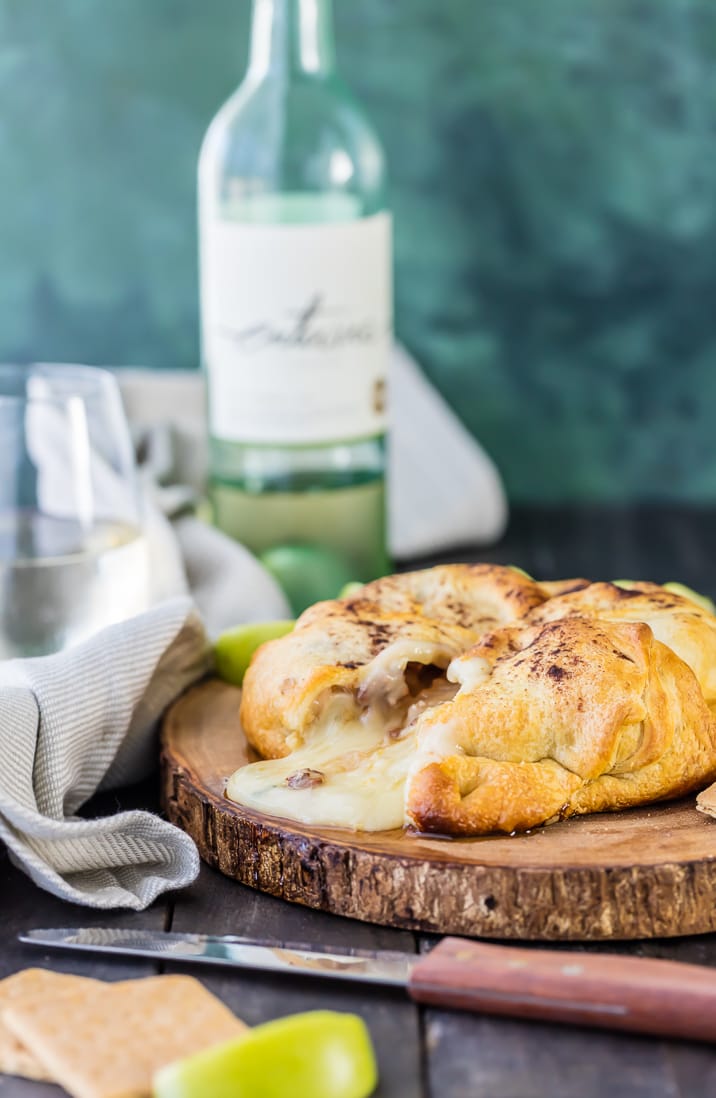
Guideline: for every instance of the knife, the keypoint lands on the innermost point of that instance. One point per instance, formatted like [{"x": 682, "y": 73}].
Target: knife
[{"x": 643, "y": 995}]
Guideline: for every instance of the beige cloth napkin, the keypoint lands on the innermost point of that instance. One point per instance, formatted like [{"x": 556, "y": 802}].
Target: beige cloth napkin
[{"x": 86, "y": 720}]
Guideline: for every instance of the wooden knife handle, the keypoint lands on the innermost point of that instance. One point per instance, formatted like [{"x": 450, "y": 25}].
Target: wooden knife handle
[{"x": 666, "y": 998}]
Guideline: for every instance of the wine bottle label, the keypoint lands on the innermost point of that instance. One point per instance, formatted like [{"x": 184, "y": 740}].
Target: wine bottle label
[{"x": 296, "y": 329}]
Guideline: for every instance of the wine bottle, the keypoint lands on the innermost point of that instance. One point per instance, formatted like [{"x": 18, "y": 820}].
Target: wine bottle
[{"x": 296, "y": 304}]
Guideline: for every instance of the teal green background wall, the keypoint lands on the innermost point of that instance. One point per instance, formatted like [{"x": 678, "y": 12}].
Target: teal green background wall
[{"x": 554, "y": 186}]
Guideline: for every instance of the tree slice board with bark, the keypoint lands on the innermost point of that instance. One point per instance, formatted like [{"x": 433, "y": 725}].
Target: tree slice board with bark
[{"x": 647, "y": 872}]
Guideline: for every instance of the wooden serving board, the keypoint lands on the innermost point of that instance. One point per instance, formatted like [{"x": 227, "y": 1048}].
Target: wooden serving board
[{"x": 635, "y": 874}]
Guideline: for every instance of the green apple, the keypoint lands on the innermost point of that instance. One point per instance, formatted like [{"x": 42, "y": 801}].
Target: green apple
[
  {"x": 321, "y": 1054},
  {"x": 307, "y": 573},
  {"x": 234, "y": 648},
  {"x": 351, "y": 588},
  {"x": 701, "y": 600}
]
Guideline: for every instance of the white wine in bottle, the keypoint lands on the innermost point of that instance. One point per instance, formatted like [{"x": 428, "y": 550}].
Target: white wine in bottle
[{"x": 296, "y": 304}]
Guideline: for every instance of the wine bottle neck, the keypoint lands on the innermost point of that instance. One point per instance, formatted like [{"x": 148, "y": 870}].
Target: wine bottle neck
[{"x": 292, "y": 37}]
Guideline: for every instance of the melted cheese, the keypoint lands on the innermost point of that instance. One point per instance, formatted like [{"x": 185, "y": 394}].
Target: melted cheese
[
  {"x": 355, "y": 764},
  {"x": 363, "y": 784}
]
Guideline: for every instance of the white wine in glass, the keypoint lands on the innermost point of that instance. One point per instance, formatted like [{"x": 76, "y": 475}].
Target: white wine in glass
[{"x": 73, "y": 558}]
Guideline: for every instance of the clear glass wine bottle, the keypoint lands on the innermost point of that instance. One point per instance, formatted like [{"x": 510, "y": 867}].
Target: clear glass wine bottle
[{"x": 296, "y": 301}]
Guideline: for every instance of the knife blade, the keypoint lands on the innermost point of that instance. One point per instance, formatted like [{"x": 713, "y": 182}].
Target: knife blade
[
  {"x": 209, "y": 949},
  {"x": 643, "y": 995}
]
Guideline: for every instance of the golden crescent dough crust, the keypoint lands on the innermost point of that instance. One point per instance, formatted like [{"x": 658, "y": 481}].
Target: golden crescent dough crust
[
  {"x": 572, "y": 716},
  {"x": 567, "y": 697},
  {"x": 683, "y": 625},
  {"x": 363, "y": 643}
]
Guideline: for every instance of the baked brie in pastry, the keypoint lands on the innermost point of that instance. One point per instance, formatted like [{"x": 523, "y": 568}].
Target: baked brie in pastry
[
  {"x": 469, "y": 699},
  {"x": 338, "y": 704}
]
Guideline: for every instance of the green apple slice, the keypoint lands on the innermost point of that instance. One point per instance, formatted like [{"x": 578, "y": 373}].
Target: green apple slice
[
  {"x": 234, "y": 648},
  {"x": 351, "y": 588},
  {"x": 688, "y": 593},
  {"x": 321, "y": 1054}
]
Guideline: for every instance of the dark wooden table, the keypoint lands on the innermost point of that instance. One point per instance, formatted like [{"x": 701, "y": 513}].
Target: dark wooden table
[{"x": 428, "y": 1053}]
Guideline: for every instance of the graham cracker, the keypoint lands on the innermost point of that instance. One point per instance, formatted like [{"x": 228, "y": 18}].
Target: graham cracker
[
  {"x": 706, "y": 800},
  {"x": 30, "y": 984},
  {"x": 107, "y": 1040}
]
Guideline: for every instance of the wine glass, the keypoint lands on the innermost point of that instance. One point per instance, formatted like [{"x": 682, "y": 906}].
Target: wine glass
[{"x": 73, "y": 557}]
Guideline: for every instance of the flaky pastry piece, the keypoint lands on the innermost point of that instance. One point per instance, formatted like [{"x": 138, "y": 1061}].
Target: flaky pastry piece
[
  {"x": 556, "y": 719},
  {"x": 371, "y": 645},
  {"x": 685, "y": 626}
]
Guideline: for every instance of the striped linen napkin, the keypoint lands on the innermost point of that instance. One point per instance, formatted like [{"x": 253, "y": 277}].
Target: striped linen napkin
[{"x": 85, "y": 720}]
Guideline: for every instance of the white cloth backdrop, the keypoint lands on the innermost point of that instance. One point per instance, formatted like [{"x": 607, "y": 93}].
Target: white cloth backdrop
[{"x": 443, "y": 489}]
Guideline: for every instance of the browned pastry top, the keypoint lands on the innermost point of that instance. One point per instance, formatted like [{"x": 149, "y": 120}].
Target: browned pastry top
[
  {"x": 508, "y": 702},
  {"x": 363, "y": 643}
]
